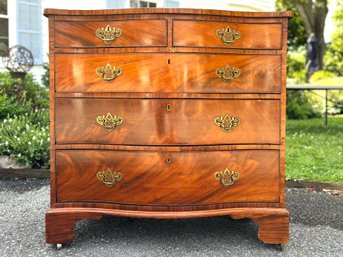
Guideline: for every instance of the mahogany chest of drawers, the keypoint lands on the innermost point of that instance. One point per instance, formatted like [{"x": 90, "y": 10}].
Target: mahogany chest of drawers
[{"x": 167, "y": 113}]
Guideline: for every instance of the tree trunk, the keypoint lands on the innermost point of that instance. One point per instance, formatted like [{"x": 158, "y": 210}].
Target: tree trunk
[{"x": 314, "y": 12}]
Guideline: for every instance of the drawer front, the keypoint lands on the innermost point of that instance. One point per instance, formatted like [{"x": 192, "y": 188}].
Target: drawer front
[
  {"x": 133, "y": 33},
  {"x": 226, "y": 35},
  {"x": 166, "y": 122},
  {"x": 167, "y": 177},
  {"x": 193, "y": 73}
]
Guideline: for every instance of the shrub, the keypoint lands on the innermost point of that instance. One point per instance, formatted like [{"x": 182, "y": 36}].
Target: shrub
[
  {"x": 321, "y": 75},
  {"x": 26, "y": 139},
  {"x": 10, "y": 107},
  {"x": 24, "y": 90},
  {"x": 24, "y": 120},
  {"x": 46, "y": 75},
  {"x": 296, "y": 66},
  {"x": 300, "y": 106}
]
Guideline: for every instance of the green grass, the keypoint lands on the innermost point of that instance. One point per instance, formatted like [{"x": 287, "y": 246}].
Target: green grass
[
  {"x": 336, "y": 81},
  {"x": 313, "y": 152}
]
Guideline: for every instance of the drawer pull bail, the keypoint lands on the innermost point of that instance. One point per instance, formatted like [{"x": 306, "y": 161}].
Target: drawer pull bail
[
  {"x": 109, "y": 121},
  {"x": 108, "y": 177},
  {"x": 228, "y": 36},
  {"x": 226, "y": 177},
  {"x": 108, "y": 34},
  {"x": 228, "y": 73},
  {"x": 108, "y": 73},
  {"x": 226, "y": 122}
]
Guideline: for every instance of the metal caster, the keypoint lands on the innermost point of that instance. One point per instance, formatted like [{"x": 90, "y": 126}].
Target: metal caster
[{"x": 58, "y": 246}]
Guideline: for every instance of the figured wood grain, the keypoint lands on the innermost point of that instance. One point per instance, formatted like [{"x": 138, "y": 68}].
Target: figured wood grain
[
  {"x": 189, "y": 73},
  {"x": 193, "y": 64},
  {"x": 133, "y": 33},
  {"x": 164, "y": 11},
  {"x": 203, "y": 34},
  {"x": 59, "y": 226},
  {"x": 148, "y": 122},
  {"x": 273, "y": 222},
  {"x": 149, "y": 177}
]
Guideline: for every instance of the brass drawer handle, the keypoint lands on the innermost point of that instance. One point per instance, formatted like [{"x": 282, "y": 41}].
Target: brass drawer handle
[
  {"x": 226, "y": 122},
  {"x": 108, "y": 177},
  {"x": 228, "y": 36},
  {"x": 108, "y": 34},
  {"x": 228, "y": 73},
  {"x": 109, "y": 122},
  {"x": 108, "y": 73},
  {"x": 226, "y": 177}
]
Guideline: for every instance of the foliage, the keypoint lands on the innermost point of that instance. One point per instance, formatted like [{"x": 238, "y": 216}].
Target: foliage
[
  {"x": 310, "y": 15},
  {"x": 296, "y": 72},
  {"x": 300, "y": 105},
  {"x": 10, "y": 107},
  {"x": 321, "y": 75},
  {"x": 26, "y": 139},
  {"x": 24, "y": 90},
  {"x": 46, "y": 75},
  {"x": 24, "y": 120},
  {"x": 313, "y": 152},
  {"x": 333, "y": 59},
  {"x": 296, "y": 28}
]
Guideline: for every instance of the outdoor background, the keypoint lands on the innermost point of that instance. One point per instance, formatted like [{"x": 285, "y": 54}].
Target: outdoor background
[{"x": 314, "y": 151}]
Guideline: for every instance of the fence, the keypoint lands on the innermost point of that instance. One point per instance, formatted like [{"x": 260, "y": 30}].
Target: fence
[{"x": 315, "y": 87}]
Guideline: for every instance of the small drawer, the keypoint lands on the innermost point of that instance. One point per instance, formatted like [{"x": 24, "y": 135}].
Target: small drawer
[
  {"x": 226, "y": 34},
  {"x": 134, "y": 33},
  {"x": 185, "y": 73},
  {"x": 162, "y": 178},
  {"x": 166, "y": 122}
]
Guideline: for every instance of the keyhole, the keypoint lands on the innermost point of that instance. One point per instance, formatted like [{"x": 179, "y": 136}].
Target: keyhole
[
  {"x": 168, "y": 60},
  {"x": 169, "y": 107},
  {"x": 169, "y": 159}
]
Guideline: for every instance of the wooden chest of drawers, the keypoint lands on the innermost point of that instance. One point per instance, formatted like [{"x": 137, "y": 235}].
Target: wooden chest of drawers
[{"x": 167, "y": 113}]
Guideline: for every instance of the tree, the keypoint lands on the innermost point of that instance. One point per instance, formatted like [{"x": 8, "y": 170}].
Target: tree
[
  {"x": 333, "y": 59},
  {"x": 313, "y": 14},
  {"x": 296, "y": 28}
]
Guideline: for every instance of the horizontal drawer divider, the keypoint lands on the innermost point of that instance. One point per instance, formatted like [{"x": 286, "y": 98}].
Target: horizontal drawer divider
[
  {"x": 176, "y": 95},
  {"x": 165, "y": 148},
  {"x": 163, "y": 49}
]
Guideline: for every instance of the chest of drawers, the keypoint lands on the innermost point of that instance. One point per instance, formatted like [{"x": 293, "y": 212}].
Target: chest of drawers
[{"x": 167, "y": 113}]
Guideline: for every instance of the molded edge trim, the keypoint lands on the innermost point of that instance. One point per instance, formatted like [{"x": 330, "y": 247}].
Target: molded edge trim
[
  {"x": 48, "y": 12},
  {"x": 236, "y": 213}
]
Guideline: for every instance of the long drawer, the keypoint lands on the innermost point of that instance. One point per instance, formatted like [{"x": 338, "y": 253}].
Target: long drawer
[
  {"x": 227, "y": 34},
  {"x": 161, "y": 178},
  {"x": 167, "y": 122},
  {"x": 134, "y": 33},
  {"x": 187, "y": 73}
]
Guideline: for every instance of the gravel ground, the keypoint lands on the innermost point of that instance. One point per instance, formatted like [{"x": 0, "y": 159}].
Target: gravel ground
[{"x": 316, "y": 229}]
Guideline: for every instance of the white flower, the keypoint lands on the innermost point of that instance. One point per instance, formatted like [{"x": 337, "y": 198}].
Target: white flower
[{"x": 29, "y": 143}]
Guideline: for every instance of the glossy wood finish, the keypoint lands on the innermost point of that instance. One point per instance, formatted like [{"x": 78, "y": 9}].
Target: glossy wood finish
[
  {"x": 156, "y": 70},
  {"x": 50, "y": 12},
  {"x": 273, "y": 222},
  {"x": 167, "y": 73},
  {"x": 134, "y": 33},
  {"x": 203, "y": 34},
  {"x": 148, "y": 122},
  {"x": 160, "y": 178}
]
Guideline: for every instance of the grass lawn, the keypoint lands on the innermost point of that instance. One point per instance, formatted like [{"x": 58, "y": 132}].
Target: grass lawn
[{"x": 313, "y": 152}]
